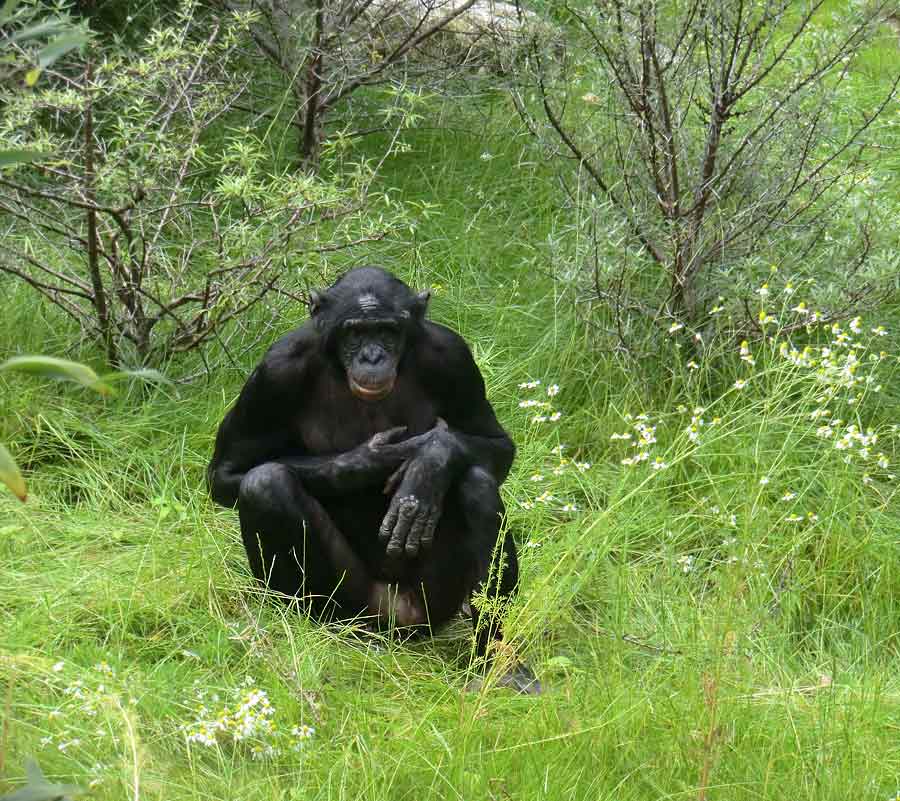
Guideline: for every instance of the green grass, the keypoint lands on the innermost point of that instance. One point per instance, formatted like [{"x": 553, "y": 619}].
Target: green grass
[{"x": 680, "y": 648}]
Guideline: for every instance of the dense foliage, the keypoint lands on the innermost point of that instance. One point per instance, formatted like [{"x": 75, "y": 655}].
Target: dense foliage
[
  {"x": 705, "y": 503},
  {"x": 713, "y": 140},
  {"x": 155, "y": 218}
]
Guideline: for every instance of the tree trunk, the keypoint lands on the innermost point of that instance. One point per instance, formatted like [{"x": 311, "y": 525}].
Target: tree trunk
[
  {"x": 311, "y": 136},
  {"x": 107, "y": 335}
]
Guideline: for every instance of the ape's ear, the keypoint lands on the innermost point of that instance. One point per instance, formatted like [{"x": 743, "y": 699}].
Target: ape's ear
[
  {"x": 420, "y": 304},
  {"x": 315, "y": 301}
]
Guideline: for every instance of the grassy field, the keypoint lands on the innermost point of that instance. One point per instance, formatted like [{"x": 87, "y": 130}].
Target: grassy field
[{"x": 720, "y": 620}]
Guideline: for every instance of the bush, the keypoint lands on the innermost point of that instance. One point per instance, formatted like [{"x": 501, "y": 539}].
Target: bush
[
  {"x": 155, "y": 217},
  {"x": 712, "y": 140}
]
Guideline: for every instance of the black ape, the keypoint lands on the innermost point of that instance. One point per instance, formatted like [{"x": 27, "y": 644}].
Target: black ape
[{"x": 365, "y": 461}]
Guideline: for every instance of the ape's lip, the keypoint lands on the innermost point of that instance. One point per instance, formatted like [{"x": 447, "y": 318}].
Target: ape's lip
[{"x": 371, "y": 393}]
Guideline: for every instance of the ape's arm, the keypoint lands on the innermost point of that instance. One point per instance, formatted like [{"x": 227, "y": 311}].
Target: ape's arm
[
  {"x": 471, "y": 437},
  {"x": 256, "y": 431},
  {"x": 367, "y": 465}
]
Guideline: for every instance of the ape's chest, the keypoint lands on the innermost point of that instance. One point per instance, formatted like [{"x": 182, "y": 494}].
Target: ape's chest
[{"x": 334, "y": 421}]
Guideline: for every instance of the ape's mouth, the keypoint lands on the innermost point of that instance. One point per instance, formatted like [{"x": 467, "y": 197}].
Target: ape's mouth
[{"x": 372, "y": 393}]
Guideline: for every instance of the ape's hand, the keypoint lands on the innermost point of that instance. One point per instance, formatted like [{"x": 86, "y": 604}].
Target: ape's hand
[
  {"x": 384, "y": 456},
  {"x": 418, "y": 487},
  {"x": 415, "y": 508},
  {"x": 381, "y": 454}
]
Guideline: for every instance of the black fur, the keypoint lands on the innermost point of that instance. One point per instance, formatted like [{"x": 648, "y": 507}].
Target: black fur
[{"x": 389, "y": 507}]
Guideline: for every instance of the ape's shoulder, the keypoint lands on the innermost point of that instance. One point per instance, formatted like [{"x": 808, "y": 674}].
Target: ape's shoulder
[
  {"x": 441, "y": 341},
  {"x": 446, "y": 356},
  {"x": 288, "y": 360}
]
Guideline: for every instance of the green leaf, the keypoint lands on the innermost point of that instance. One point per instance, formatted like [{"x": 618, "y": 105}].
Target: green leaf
[
  {"x": 10, "y": 475},
  {"x": 60, "y": 46},
  {"x": 8, "y": 157},
  {"x": 62, "y": 369},
  {"x": 32, "y": 76},
  {"x": 39, "y": 789},
  {"x": 6, "y": 13},
  {"x": 47, "y": 28},
  {"x": 145, "y": 374}
]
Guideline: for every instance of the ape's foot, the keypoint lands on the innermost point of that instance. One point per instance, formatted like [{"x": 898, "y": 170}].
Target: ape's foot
[{"x": 521, "y": 678}]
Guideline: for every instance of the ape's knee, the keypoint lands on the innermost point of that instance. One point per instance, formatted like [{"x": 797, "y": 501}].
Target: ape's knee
[
  {"x": 265, "y": 488},
  {"x": 479, "y": 495}
]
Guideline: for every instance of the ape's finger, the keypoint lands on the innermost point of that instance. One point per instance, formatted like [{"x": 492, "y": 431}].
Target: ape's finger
[
  {"x": 429, "y": 529},
  {"x": 387, "y": 437},
  {"x": 410, "y": 448},
  {"x": 395, "y": 434},
  {"x": 395, "y": 545},
  {"x": 415, "y": 535},
  {"x": 394, "y": 480},
  {"x": 408, "y": 509},
  {"x": 390, "y": 520}
]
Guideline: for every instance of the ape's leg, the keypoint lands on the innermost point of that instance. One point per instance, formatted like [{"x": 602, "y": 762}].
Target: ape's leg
[
  {"x": 496, "y": 569},
  {"x": 293, "y": 545},
  {"x": 465, "y": 559}
]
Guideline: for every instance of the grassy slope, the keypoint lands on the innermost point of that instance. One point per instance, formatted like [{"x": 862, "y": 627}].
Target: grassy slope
[{"x": 773, "y": 673}]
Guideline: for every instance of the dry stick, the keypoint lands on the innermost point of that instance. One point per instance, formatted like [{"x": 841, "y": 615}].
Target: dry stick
[
  {"x": 77, "y": 288},
  {"x": 71, "y": 239},
  {"x": 173, "y": 107},
  {"x": 711, "y": 699},
  {"x": 79, "y": 204},
  {"x": 778, "y": 104},
  {"x": 361, "y": 8},
  {"x": 722, "y": 108},
  {"x": 77, "y": 283},
  {"x": 90, "y": 193},
  {"x": 7, "y": 717},
  {"x": 593, "y": 171},
  {"x": 814, "y": 173},
  {"x": 49, "y": 291},
  {"x": 310, "y": 142},
  {"x": 411, "y": 42}
]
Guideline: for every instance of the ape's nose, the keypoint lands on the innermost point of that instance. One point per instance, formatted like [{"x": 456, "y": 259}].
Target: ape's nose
[{"x": 371, "y": 355}]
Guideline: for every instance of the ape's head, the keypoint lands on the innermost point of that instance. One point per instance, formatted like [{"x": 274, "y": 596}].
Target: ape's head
[{"x": 365, "y": 319}]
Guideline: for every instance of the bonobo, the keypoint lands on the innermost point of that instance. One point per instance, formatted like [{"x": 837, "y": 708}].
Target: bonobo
[{"x": 365, "y": 462}]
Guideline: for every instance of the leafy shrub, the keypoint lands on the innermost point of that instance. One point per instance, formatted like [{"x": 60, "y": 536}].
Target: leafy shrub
[{"x": 155, "y": 218}]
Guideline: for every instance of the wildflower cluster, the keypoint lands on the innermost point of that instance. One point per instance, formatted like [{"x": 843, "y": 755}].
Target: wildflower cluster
[
  {"x": 246, "y": 719},
  {"x": 698, "y": 423},
  {"x": 562, "y": 467},
  {"x": 88, "y": 712},
  {"x": 843, "y": 367},
  {"x": 840, "y": 366},
  {"x": 732, "y": 516},
  {"x": 544, "y": 410},
  {"x": 553, "y": 477},
  {"x": 840, "y": 359},
  {"x": 856, "y": 445},
  {"x": 86, "y": 698},
  {"x": 641, "y": 438},
  {"x": 729, "y": 553},
  {"x": 735, "y": 554}
]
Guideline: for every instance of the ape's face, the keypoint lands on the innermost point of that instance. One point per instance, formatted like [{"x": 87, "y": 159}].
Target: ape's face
[
  {"x": 370, "y": 351},
  {"x": 365, "y": 320}
]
